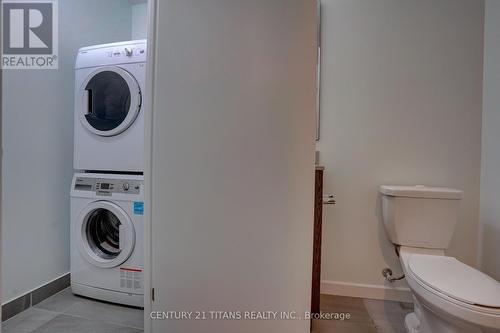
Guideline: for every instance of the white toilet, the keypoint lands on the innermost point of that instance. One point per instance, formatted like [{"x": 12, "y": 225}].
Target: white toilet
[{"x": 449, "y": 296}]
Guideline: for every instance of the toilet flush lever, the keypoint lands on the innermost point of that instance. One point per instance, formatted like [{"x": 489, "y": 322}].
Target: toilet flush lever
[{"x": 328, "y": 200}]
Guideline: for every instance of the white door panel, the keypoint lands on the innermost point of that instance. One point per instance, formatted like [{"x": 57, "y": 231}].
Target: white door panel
[{"x": 232, "y": 169}]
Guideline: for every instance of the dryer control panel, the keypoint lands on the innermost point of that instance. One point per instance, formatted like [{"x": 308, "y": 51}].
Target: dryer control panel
[
  {"x": 112, "y": 54},
  {"x": 107, "y": 186},
  {"x": 125, "y": 52}
]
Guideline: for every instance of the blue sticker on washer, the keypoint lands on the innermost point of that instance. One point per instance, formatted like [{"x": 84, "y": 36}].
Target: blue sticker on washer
[{"x": 139, "y": 208}]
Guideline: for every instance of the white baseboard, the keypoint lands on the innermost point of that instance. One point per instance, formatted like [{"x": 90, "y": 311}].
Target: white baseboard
[{"x": 338, "y": 288}]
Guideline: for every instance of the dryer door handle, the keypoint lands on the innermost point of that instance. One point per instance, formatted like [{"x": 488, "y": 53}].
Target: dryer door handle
[{"x": 87, "y": 101}]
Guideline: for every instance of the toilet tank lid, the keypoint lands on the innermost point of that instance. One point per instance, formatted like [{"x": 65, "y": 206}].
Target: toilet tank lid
[{"x": 421, "y": 191}]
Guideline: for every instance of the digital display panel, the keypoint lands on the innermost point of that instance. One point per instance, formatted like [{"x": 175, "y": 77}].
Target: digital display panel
[{"x": 104, "y": 186}]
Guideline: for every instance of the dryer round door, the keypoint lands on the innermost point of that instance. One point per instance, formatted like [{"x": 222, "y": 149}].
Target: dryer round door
[
  {"x": 105, "y": 234},
  {"x": 110, "y": 99}
]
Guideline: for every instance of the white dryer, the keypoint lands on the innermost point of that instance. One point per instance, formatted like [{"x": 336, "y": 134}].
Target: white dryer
[
  {"x": 107, "y": 230},
  {"x": 109, "y": 107}
]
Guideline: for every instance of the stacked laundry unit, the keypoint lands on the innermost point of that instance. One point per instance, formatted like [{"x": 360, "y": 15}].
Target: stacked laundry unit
[{"x": 107, "y": 226}]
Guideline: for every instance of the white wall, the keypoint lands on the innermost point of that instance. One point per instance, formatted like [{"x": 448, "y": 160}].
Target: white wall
[
  {"x": 401, "y": 104},
  {"x": 139, "y": 21},
  {"x": 38, "y": 148},
  {"x": 489, "y": 246},
  {"x": 232, "y": 174}
]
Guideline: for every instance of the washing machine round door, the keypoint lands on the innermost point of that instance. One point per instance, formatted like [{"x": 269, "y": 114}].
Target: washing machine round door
[
  {"x": 111, "y": 100},
  {"x": 105, "y": 233}
]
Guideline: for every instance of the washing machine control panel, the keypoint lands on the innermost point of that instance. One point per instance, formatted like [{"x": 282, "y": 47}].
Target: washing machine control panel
[{"x": 105, "y": 186}]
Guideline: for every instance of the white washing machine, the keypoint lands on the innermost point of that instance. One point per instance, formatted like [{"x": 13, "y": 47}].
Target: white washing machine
[
  {"x": 107, "y": 230},
  {"x": 109, "y": 107}
]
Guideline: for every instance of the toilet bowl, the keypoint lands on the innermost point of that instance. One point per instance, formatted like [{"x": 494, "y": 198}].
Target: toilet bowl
[{"x": 448, "y": 296}]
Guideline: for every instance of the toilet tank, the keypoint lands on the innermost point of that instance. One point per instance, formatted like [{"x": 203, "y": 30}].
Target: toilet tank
[{"x": 420, "y": 216}]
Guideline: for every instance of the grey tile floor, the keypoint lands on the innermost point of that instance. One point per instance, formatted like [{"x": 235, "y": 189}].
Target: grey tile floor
[
  {"x": 367, "y": 316},
  {"x": 65, "y": 312}
]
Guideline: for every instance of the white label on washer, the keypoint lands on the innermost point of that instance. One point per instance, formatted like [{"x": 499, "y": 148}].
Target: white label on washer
[{"x": 131, "y": 278}]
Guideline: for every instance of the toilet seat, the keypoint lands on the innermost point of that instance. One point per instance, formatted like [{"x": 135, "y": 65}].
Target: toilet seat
[{"x": 450, "y": 277}]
